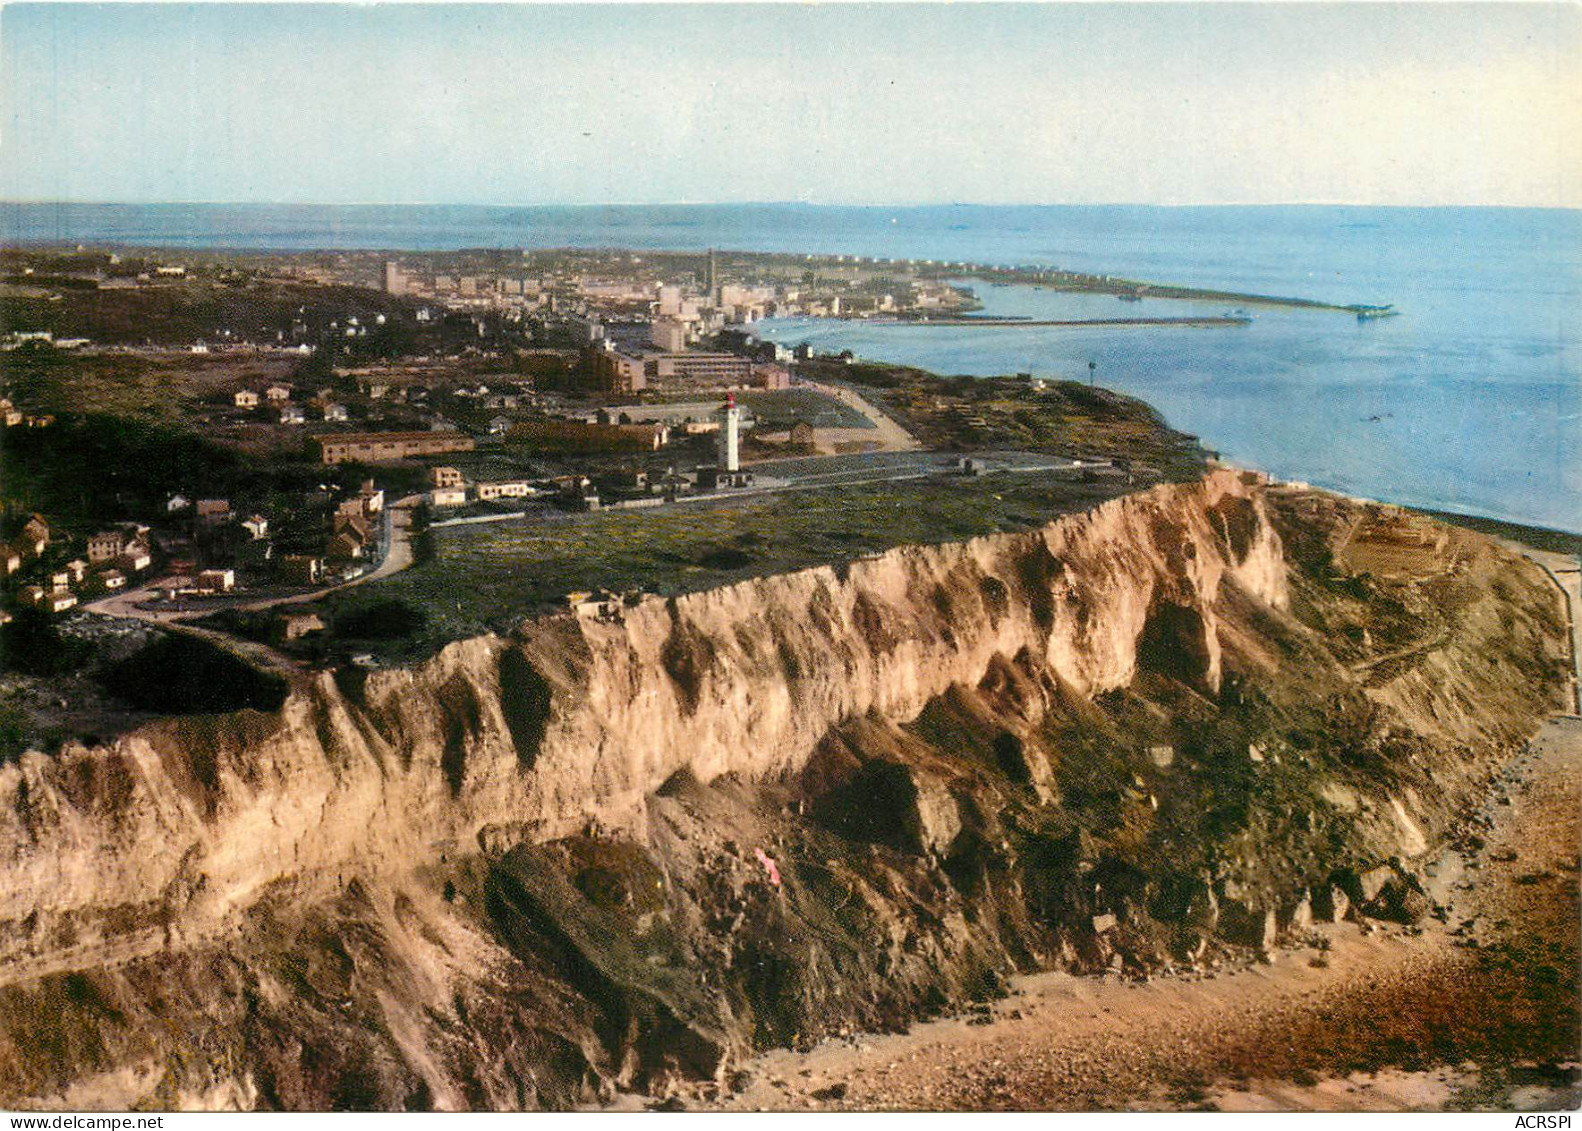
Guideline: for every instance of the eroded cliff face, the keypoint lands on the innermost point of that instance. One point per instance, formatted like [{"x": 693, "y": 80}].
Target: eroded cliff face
[{"x": 614, "y": 849}]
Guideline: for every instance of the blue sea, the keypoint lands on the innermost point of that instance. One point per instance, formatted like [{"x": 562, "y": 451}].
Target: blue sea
[{"x": 1470, "y": 400}]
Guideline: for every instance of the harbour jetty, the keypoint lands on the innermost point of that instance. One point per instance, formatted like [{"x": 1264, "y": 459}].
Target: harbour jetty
[
  {"x": 969, "y": 320},
  {"x": 1135, "y": 290}
]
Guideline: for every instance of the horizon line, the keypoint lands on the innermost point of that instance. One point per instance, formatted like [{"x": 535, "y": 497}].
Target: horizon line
[{"x": 903, "y": 206}]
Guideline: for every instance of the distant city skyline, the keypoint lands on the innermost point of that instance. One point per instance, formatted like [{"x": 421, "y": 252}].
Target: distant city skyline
[{"x": 1392, "y": 104}]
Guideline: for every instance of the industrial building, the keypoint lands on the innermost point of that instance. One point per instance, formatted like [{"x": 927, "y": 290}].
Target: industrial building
[
  {"x": 626, "y": 371},
  {"x": 385, "y": 447}
]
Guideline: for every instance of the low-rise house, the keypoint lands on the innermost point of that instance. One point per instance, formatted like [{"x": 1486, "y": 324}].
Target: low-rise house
[
  {"x": 354, "y": 523},
  {"x": 256, "y": 525},
  {"x": 344, "y": 544},
  {"x": 447, "y": 496},
  {"x": 106, "y": 546},
  {"x": 573, "y": 486},
  {"x": 602, "y": 605},
  {"x": 277, "y": 394},
  {"x": 60, "y": 579},
  {"x": 499, "y": 425},
  {"x": 507, "y": 489},
  {"x": 335, "y": 412},
  {"x": 445, "y": 477},
  {"x": 770, "y": 376},
  {"x": 385, "y": 447},
  {"x": 34, "y": 539},
  {"x": 177, "y": 503},
  {"x": 213, "y": 512},
  {"x": 57, "y": 601},
  {"x": 137, "y": 557},
  {"x": 372, "y": 497},
  {"x": 245, "y": 398},
  {"x": 292, "y": 414},
  {"x": 173, "y": 586},
  {"x": 294, "y": 626},
  {"x": 217, "y": 580},
  {"x": 113, "y": 579},
  {"x": 78, "y": 569},
  {"x": 10, "y": 560}
]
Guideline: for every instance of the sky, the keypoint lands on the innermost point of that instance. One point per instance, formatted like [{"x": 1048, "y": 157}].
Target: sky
[{"x": 1412, "y": 104}]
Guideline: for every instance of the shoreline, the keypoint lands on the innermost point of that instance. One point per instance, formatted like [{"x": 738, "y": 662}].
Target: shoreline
[
  {"x": 1046, "y": 277},
  {"x": 1535, "y": 536},
  {"x": 1059, "y": 1041},
  {"x": 1545, "y": 538}
]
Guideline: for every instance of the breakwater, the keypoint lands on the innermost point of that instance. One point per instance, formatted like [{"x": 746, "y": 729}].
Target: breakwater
[{"x": 1221, "y": 320}]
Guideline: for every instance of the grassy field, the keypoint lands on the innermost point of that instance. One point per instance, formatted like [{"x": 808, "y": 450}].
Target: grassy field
[
  {"x": 486, "y": 577},
  {"x": 985, "y": 413},
  {"x": 168, "y": 388}
]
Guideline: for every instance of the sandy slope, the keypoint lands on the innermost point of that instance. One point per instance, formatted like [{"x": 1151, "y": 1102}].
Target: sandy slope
[{"x": 1350, "y": 1017}]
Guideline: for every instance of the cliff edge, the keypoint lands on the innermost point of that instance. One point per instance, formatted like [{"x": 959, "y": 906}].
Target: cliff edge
[{"x": 620, "y": 848}]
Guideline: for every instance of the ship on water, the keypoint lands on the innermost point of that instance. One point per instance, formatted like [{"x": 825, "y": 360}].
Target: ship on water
[{"x": 1370, "y": 313}]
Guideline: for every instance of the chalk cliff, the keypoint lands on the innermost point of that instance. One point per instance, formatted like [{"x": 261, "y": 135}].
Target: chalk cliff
[{"x": 615, "y": 848}]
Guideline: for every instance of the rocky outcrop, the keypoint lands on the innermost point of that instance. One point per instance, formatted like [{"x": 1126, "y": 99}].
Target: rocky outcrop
[{"x": 610, "y": 850}]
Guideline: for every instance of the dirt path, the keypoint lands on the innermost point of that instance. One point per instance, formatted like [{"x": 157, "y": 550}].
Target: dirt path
[{"x": 1352, "y": 1018}]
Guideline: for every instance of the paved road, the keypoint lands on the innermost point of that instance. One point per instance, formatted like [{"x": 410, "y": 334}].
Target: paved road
[{"x": 1566, "y": 572}]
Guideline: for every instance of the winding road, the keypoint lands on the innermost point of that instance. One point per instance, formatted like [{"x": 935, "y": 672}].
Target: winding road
[
  {"x": 396, "y": 559},
  {"x": 129, "y": 605}
]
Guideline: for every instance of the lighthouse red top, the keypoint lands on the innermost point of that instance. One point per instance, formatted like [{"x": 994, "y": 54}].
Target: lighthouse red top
[{"x": 730, "y": 400}]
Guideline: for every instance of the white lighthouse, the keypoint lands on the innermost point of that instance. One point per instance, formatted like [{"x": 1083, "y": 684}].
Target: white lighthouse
[{"x": 730, "y": 435}]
